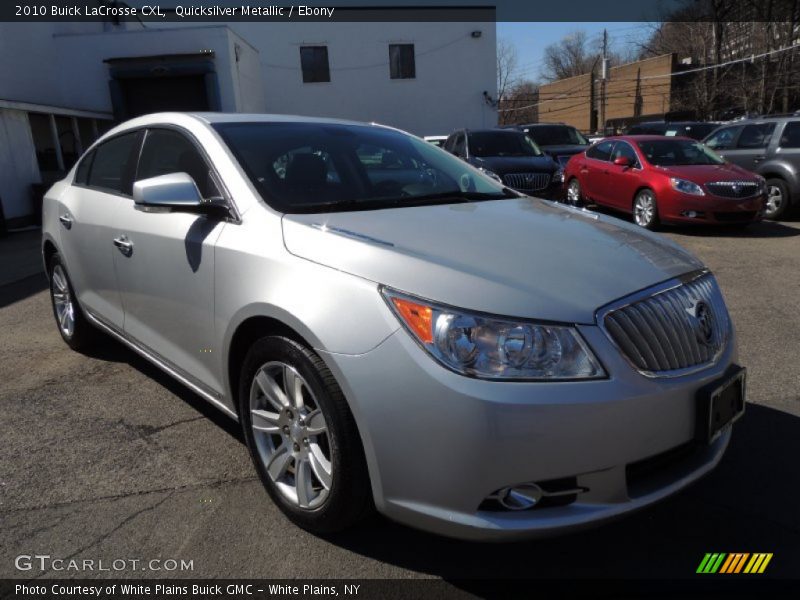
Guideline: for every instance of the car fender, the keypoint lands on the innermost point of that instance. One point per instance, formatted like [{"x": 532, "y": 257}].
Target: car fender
[{"x": 779, "y": 167}]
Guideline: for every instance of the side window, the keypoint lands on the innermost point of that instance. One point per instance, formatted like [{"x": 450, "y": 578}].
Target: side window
[
  {"x": 449, "y": 142},
  {"x": 82, "y": 173},
  {"x": 166, "y": 151},
  {"x": 790, "y": 138},
  {"x": 601, "y": 151},
  {"x": 623, "y": 149},
  {"x": 755, "y": 136},
  {"x": 114, "y": 163},
  {"x": 722, "y": 139},
  {"x": 460, "y": 146}
]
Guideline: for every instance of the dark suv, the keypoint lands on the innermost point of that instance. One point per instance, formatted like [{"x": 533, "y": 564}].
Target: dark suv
[
  {"x": 769, "y": 146},
  {"x": 510, "y": 156},
  {"x": 696, "y": 130},
  {"x": 559, "y": 140}
]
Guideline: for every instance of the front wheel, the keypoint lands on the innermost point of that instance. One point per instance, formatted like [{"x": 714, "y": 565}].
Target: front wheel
[
  {"x": 302, "y": 436},
  {"x": 645, "y": 210},
  {"x": 574, "y": 194},
  {"x": 777, "y": 198}
]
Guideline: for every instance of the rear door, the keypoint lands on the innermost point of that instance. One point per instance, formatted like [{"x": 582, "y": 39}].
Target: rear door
[
  {"x": 167, "y": 274},
  {"x": 88, "y": 213}
]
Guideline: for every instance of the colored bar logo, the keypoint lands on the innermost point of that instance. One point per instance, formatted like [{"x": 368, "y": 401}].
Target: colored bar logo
[{"x": 736, "y": 562}]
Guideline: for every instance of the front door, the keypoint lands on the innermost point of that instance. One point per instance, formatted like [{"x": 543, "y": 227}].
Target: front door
[{"x": 166, "y": 269}]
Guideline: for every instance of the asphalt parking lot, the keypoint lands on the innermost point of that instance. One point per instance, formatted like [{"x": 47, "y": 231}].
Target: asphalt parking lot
[{"x": 104, "y": 457}]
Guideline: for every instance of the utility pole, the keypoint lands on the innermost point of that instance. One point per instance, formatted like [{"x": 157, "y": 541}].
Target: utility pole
[{"x": 603, "y": 78}]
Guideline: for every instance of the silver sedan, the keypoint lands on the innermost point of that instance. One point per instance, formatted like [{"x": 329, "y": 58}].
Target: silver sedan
[{"x": 393, "y": 329}]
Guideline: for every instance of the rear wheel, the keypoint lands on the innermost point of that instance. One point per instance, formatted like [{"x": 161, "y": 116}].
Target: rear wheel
[
  {"x": 777, "y": 198},
  {"x": 645, "y": 210},
  {"x": 574, "y": 194},
  {"x": 302, "y": 436},
  {"x": 73, "y": 326}
]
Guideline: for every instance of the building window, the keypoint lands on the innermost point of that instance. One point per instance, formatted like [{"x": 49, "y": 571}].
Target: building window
[
  {"x": 314, "y": 62},
  {"x": 401, "y": 61}
]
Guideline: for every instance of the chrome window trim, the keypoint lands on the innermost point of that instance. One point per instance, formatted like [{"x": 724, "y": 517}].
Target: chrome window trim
[{"x": 659, "y": 288}]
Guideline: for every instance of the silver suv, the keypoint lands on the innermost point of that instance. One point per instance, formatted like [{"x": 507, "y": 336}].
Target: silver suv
[
  {"x": 768, "y": 146},
  {"x": 393, "y": 329}
]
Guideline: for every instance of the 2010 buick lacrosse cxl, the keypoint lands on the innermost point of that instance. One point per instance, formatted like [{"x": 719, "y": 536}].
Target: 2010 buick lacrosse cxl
[{"x": 393, "y": 329}]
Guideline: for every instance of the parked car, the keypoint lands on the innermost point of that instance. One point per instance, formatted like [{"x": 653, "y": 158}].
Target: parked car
[
  {"x": 665, "y": 180},
  {"x": 769, "y": 147},
  {"x": 557, "y": 139},
  {"x": 436, "y": 140},
  {"x": 696, "y": 130},
  {"x": 460, "y": 357},
  {"x": 509, "y": 156}
]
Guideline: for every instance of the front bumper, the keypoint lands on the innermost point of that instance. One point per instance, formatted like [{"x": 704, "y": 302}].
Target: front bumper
[
  {"x": 438, "y": 443},
  {"x": 709, "y": 209}
]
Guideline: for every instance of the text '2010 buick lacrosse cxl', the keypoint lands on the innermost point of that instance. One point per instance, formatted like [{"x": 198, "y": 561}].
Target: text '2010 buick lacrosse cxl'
[{"x": 393, "y": 328}]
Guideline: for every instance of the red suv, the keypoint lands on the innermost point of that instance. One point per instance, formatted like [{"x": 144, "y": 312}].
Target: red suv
[{"x": 664, "y": 179}]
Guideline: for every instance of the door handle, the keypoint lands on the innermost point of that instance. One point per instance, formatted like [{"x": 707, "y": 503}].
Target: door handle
[
  {"x": 65, "y": 221},
  {"x": 124, "y": 244},
  {"x": 758, "y": 159}
]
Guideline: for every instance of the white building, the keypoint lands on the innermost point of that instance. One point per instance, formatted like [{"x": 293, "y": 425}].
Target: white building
[{"x": 62, "y": 84}]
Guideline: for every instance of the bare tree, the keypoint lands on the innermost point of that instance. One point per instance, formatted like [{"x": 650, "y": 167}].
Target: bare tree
[
  {"x": 506, "y": 67},
  {"x": 568, "y": 57},
  {"x": 520, "y": 104}
]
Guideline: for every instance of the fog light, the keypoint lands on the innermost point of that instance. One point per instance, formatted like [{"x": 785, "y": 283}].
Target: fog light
[{"x": 520, "y": 497}]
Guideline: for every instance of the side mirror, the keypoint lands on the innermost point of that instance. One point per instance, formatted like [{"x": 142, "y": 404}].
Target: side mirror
[
  {"x": 622, "y": 161},
  {"x": 171, "y": 190}
]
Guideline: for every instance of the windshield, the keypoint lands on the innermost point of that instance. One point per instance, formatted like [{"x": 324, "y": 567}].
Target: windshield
[
  {"x": 665, "y": 153},
  {"x": 502, "y": 143},
  {"x": 557, "y": 135},
  {"x": 314, "y": 167}
]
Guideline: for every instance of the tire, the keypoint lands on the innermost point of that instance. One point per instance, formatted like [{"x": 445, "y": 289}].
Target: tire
[
  {"x": 642, "y": 216},
  {"x": 75, "y": 329},
  {"x": 777, "y": 199},
  {"x": 574, "y": 195},
  {"x": 291, "y": 448}
]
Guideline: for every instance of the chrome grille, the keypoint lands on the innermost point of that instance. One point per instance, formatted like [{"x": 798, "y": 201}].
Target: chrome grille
[
  {"x": 527, "y": 181},
  {"x": 733, "y": 189},
  {"x": 673, "y": 330}
]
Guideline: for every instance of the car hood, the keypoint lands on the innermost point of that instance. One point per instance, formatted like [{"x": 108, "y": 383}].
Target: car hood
[
  {"x": 706, "y": 173},
  {"x": 563, "y": 149},
  {"x": 515, "y": 164},
  {"x": 521, "y": 257}
]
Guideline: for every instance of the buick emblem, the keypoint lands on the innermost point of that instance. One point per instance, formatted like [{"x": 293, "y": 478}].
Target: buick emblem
[
  {"x": 704, "y": 323},
  {"x": 736, "y": 189}
]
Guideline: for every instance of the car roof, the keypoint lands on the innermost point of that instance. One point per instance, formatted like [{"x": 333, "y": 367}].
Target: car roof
[
  {"x": 648, "y": 138},
  {"x": 496, "y": 130}
]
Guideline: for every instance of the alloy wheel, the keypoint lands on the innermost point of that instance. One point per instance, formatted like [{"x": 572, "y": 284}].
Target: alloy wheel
[
  {"x": 644, "y": 209},
  {"x": 291, "y": 435},
  {"x": 574, "y": 193},
  {"x": 62, "y": 299},
  {"x": 774, "y": 200}
]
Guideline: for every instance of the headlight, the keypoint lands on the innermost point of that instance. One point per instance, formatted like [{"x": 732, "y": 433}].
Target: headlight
[
  {"x": 491, "y": 174},
  {"x": 687, "y": 187},
  {"x": 491, "y": 347},
  {"x": 558, "y": 176}
]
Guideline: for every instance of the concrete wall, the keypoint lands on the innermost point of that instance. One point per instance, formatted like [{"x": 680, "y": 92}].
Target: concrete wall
[{"x": 452, "y": 71}]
